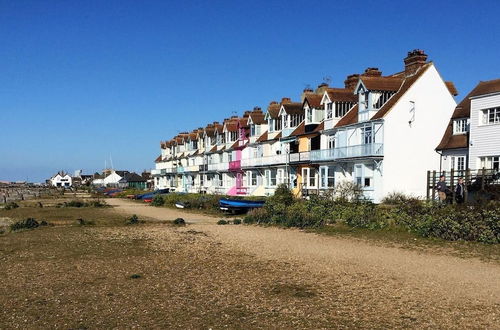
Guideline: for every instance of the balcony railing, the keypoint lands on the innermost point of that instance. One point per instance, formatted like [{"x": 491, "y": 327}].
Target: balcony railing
[
  {"x": 235, "y": 165},
  {"x": 218, "y": 167},
  {"x": 192, "y": 168},
  {"x": 261, "y": 161},
  {"x": 300, "y": 157},
  {"x": 361, "y": 150}
]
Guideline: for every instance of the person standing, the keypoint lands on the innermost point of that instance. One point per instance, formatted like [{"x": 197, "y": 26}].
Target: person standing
[
  {"x": 460, "y": 191},
  {"x": 442, "y": 188}
]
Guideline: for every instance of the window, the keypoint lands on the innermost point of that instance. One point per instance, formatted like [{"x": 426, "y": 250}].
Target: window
[
  {"x": 460, "y": 126},
  {"x": 491, "y": 116},
  {"x": 271, "y": 178},
  {"x": 270, "y": 123},
  {"x": 329, "y": 110},
  {"x": 327, "y": 177},
  {"x": 280, "y": 177},
  {"x": 458, "y": 163},
  {"x": 252, "y": 178},
  {"x": 284, "y": 118},
  {"x": 366, "y": 135},
  {"x": 491, "y": 162},
  {"x": 309, "y": 115},
  {"x": 331, "y": 142},
  {"x": 341, "y": 108},
  {"x": 277, "y": 124},
  {"x": 309, "y": 177}
]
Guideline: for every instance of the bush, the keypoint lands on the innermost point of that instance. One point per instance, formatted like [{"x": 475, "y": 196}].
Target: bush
[
  {"x": 133, "y": 220},
  {"x": 179, "y": 222},
  {"x": 237, "y": 222},
  {"x": 158, "y": 201},
  {"x": 29, "y": 223},
  {"x": 11, "y": 206},
  {"x": 258, "y": 216},
  {"x": 399, "y": 198},
  {"x": 222, "y": 222},
  {"x": 74, "y": 204}
]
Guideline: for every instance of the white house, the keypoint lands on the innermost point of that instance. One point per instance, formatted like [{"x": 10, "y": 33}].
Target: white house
[
  {"x": 61, "y": 179},
  {"x": 385, "y": 143},
  {"x": 471, "y": 139}
]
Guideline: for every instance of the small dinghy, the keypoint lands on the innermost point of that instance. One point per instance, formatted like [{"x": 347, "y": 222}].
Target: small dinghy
[
  {"x": 239, "y": 204},
  {"x": 181, "y": 205}
]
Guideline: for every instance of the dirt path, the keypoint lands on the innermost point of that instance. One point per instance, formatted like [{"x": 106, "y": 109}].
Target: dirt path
[{"x": 393, "y": 282}]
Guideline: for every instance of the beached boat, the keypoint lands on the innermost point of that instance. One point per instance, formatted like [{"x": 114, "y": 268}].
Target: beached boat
[
  {"x": 180, "y": 205},
  {"x": 239, "y": 204}
]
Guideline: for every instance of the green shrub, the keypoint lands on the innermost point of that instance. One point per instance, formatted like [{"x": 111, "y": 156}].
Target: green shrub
[
  {"x": 29, "y": 223},
  {"x": 158, "y": 201},
  {"x": 179, "y": 222},
  {"x": 222, "y": 222},
  {"x": 258, "y": 216},
  {"x": 11, "y": 206},
  {"x": 74, "y": 203},
  {"x": 237, "y": 222},
  {"x": 133, "y": 220},
  {"x": 399, "y": 198}
]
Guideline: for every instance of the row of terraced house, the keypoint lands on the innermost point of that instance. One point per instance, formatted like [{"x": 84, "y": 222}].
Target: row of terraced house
[{"x": 378, "y": 131}]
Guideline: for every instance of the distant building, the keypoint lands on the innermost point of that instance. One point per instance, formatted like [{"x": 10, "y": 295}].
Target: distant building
[{"x": 61, "y": 179}]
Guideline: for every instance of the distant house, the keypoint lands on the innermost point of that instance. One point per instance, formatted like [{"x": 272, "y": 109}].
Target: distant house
[
  {"x": 61, "y": 179},
  {"x": 109, "y": 178},
  {"x": 133, "y": 180}
]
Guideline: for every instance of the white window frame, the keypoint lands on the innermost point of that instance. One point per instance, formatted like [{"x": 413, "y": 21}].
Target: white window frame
[
  {"x": 458, "y": 163},
  {"x": 490, "y": 116},
  {"x": 329, "y": 110},
  {"x": 327, "y": 177},
  {"x": 308, "y": 174},
  {"x": 460, "y": 126},
  {"x": 489, "y": 162}
]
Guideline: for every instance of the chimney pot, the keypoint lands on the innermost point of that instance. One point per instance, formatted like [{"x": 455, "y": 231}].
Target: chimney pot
[
  {"x": 273, "y": 102},
  {"x": 286, "y": 100},
  {"x": 351, "y": 81},
  {"x": 415, "y": 59}
]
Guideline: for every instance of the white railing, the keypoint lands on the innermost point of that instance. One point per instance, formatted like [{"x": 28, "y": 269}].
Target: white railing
[
  {"x": 218, "y": 167},
  {"x": 260, "y": 161},
  {"x": 361, "y": 150}
]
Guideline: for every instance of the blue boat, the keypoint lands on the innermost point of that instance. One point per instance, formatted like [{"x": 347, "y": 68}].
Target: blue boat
[{"x": 239, "y": 204}]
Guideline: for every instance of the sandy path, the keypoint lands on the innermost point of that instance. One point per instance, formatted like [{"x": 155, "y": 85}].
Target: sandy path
[{"x": 424, "y": 277}]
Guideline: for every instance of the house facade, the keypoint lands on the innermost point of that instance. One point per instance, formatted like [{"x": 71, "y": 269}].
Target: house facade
[
  {"x": 470, "y": 140},
  {"x": 378, "y": 131},
  {"x": 61, "y": 179}
]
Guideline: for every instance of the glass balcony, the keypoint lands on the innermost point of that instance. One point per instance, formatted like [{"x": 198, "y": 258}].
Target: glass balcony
[
  {"x": 361, "y": 150},
  {"x": 235, "y": 165}
]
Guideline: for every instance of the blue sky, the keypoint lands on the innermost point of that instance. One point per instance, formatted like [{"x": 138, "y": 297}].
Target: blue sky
[{"x": 81, "y": 81}]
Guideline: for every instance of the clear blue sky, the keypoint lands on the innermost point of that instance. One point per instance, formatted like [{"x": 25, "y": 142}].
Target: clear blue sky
[{"x": 80, "y": 80}]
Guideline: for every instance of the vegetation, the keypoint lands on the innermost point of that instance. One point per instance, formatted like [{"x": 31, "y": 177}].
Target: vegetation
[
  {"x": 133, "y": 220},
  {"x": 29, "y": 223},
  {"x": 11, "y": 206},
  {"x": 222, "y": 222},
  {"x": 179, "y": 222},
  {"x": 479, "y": 223}
]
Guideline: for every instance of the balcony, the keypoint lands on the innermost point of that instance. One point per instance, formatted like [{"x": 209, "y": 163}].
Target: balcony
[
  {"x": 361, "y": 150},
  {"x": 300, "y": 157},
  {"x": 218, "y": 167},
  {"x": 192, "y": 168},
  {"x": 262, "y": 161},
  {"x": 235, "y": 165}
]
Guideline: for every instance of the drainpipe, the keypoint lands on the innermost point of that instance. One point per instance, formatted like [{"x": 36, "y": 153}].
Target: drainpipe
[{"x": 440, "y": 161}]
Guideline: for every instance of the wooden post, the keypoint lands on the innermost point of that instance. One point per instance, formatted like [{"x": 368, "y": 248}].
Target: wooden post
[
  {"x": 433, "y": 185},
  {"x": 466, "y": 191},
  {"x": 482, "y": 179},
  {"x": 452, "y": 185},
  {"x": 427, "y": 187}
]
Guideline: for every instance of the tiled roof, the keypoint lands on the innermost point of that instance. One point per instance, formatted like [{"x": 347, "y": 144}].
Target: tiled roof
[
  {"x": 257, "y": 117},
  {"x": 263, "y": 137},
  {"x": 158, "y": 159},
  {"x": 304, "y": 129},
  {"x": 484, "y": 87},
  {"x": 381, "y": 83},
  {"x": 451, "y": 88},
  {"x": 274, "y": 110},
  {"x": 450, "y": 141},
  {"x": 314, "y": 100},
  {"x": 341, "y": 95},
  {"x": 293, "y": 108},
  {"x": 351, "y": 117}
]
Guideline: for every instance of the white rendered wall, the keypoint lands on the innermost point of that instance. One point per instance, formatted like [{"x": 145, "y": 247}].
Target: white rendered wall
[{"x": 409, "y": 149}]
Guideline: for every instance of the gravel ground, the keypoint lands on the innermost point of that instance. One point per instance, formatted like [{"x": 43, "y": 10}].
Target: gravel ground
[{"x": 205, "y": 276}]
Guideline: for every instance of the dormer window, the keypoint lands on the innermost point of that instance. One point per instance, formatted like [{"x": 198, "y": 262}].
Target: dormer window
[
  {"x": 329, "y": 110},
  {"x": 460, "y": 126},
  {"x": 309, "y": 115},
  {"x": 254, "y": 130}
]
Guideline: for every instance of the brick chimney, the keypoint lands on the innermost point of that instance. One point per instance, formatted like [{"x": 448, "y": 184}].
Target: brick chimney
[
  {"x": 351, "y": 81},
  {"x": 372, "y": 72},
  {"x": 257, "y": 109},
  {"x": 415, "y": 59},
  {"x": 273, "y": 102},
  {"x": 286, "y": 100},
  {"x": 305, "y": 92},
  {"x": 321, "y": 88}
]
